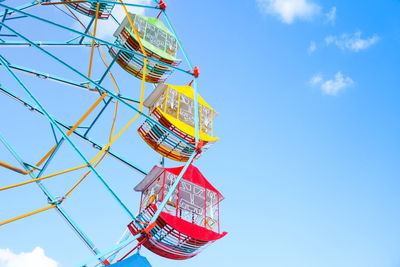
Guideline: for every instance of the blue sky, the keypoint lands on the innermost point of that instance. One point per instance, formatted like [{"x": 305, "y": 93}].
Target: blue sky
[{"x": 308, "y": 98}]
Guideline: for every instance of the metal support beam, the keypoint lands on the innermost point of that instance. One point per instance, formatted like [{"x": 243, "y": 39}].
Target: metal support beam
[
  {"x": 159, "y": 209},
  {"x": 99, "y": 86},
  {"x": 109, "y": 67},
  {"x": 87, "y": 29},
  {"x": 111, "y": 250},
  {"x": 25, "y": 6},
  {"x": 196, "y": 110},
  {"x": 52, "y": 199},
  {"x": 100, "y": 41},
  {"x": 45, "y": 43},
  {"x": 172, "y": 189},
  {"x": 44, "y": 75},
  {"x": 65, "y": 126},
  {"x": 40, "y": 107},
  {"x": 97, "y": 116},
  {"x": 4, "y": 17},
  {"x": 117, "y": 3}
]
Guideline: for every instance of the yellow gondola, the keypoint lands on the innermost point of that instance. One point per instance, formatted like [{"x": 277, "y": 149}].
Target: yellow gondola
[{"x": 173, "y": 107}]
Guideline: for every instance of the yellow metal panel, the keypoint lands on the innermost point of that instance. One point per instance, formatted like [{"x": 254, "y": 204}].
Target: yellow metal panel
[
  {"x": 166, "y": 98},
  {"x": 212, "y": 122},
  {"x": 187, "y": 128},
  {"x": 200, "y": 113},
  {"x": 188, "y": 91},
  {"x": 179, "y": 102}
]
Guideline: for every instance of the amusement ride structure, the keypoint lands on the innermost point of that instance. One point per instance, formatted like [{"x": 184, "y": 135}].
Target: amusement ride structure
[{"x": 179, "y": 209}]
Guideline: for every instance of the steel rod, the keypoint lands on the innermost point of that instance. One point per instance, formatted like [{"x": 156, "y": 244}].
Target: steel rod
[
  {"x": 94, "y": 38},
  {"x": 88, "y": 139},
  {"x": 125, "y": 208},
  {"x": 101, "y": 87},
  {"x": 52, "y": 199}
]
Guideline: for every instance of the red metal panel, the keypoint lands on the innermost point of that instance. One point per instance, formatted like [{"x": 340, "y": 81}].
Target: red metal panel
[{"x": 173, "y": 237}]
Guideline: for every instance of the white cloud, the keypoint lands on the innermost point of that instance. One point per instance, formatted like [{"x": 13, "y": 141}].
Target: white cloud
[
  {"x": 331, "y": 15},
  {"x": 352, "y": 42},
  {"x": 106, "y": 28},
  {"x": 289, "y": 10},
  {"x": 36, "y": 258},
  {"x": 330, "y": 39},
  {"x": 316, "y": 79},
  {"x": 312, "y": 47},
  {"x": 334, "y": 86}
]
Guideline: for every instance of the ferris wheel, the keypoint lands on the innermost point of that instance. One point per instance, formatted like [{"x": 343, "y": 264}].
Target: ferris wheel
[{"x": 179, "y": 210}]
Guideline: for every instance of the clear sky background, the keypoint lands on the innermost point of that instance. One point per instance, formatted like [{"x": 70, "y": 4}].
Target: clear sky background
[{"x": 308, "y": 98}]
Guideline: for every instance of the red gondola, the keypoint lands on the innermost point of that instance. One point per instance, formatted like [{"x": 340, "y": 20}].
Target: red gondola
[{"x": 190, "y": 220}]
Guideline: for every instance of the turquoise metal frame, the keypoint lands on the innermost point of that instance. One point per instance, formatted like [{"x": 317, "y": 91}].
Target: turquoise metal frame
[
  {"x": 76, "y": 133},
  {"x": 52, "y": 199},
  {"x": 57, "y": 125}
]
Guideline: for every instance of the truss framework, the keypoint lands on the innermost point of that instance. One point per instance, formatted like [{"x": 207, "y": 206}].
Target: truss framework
[{"x": 9, "y": 37}]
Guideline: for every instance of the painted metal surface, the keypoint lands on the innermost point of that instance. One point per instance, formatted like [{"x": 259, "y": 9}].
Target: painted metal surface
[{"x": 57, "y": 126}]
